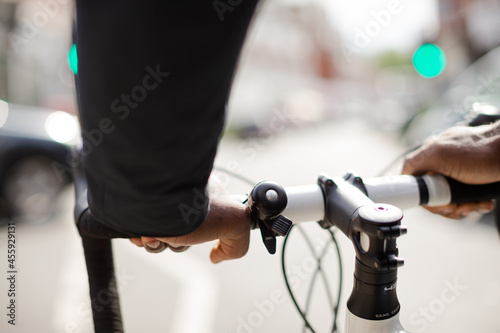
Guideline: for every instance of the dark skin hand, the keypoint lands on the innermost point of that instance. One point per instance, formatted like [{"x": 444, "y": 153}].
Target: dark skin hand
[
  {"x": 468, "y": 154},
  {"x": 228, "y": 222}
]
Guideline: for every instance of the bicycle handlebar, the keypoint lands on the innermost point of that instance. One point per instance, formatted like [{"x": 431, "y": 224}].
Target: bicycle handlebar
[
  {"x": 307, "y": 203},
  {"x": 349, "y": 204},
  {"x": 302, "y": 204}
]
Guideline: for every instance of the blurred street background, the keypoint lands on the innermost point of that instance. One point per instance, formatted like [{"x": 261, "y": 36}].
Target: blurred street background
[{"x": 323, "y": 86}]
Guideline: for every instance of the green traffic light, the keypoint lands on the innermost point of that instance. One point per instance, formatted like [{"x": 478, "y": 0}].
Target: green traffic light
[
  {"x": 73, "y": 59},
  {"x": 429, "y": 60}
]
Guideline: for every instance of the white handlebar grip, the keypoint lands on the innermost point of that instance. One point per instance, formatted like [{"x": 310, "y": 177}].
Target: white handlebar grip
[
  {"x": 401, "y": 191},
  {"x": 439, "y": 190},
  {"x": 305, "y": 203}
]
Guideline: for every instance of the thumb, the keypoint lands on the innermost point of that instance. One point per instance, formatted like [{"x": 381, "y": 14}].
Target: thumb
[
  {"x": 225, "y": 249},
  {"x": 217, "y": 255}
]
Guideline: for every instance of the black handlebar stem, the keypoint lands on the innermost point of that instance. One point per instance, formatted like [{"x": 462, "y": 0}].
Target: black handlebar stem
[
  {"x": 373, "y": 295},
  {"x": 373, "y": 229}
]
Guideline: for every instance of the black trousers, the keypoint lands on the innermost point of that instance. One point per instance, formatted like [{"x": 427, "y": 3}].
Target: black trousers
[{"x": 153, "y": 82}]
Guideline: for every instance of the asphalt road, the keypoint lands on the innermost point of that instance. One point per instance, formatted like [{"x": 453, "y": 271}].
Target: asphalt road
[{"x": 450, "y": 281}]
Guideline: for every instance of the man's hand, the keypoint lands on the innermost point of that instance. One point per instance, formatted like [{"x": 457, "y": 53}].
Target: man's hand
[
  {"x": 228, "y": 222},
  {"x": 468, "y": 154}
]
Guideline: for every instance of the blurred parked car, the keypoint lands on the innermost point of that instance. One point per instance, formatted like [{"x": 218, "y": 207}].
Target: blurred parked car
[{"x": 34, "y": 148}]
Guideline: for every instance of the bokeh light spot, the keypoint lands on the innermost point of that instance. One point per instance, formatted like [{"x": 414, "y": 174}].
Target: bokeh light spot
[
  {"x": 429, "y": 60},
  {"x": 61, "y": 127},
  {"x": 73, "y": 59}
]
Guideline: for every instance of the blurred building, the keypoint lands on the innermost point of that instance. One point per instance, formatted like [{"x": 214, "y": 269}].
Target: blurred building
[
  {"x": 298, "y": 38},
  {"x": 35, "y": 37},
  {"x": 292, "y": 60},
  {"x": 7, "y": 14},
  {"x": 469, "y": 29}
]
